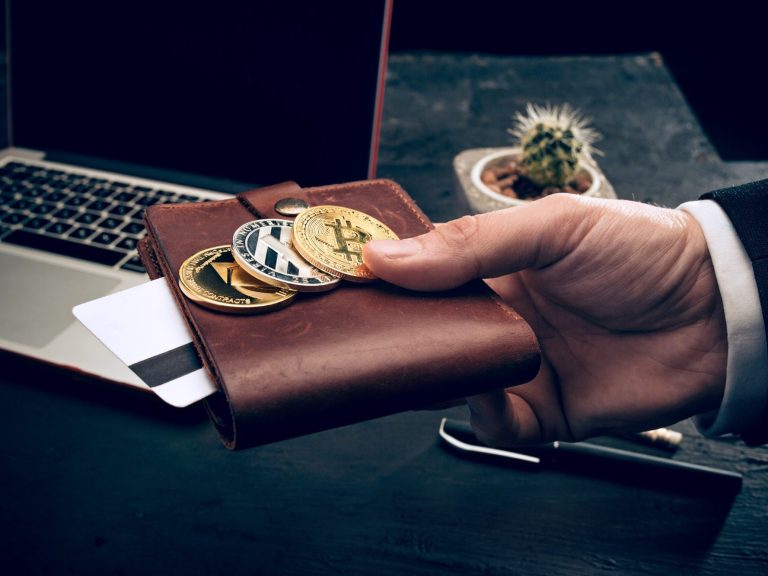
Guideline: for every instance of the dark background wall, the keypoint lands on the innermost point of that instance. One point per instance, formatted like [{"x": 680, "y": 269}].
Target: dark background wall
[{"x": 716, "y": 53}]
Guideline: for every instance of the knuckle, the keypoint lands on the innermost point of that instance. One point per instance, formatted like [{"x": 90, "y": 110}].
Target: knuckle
[
  {"x": 460, "y": 232},
  {"x": 564, "y": 201},
  {"x": 462, "y": 238}
]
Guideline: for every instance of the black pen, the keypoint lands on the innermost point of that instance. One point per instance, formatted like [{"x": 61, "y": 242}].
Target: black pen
[{"x": 597, "y": 460}]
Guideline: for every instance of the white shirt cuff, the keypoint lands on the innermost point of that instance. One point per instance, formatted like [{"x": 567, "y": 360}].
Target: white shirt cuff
[{"x": 746, "y": 385}]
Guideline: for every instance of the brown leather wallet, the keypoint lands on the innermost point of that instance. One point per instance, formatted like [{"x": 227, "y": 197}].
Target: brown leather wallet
[{"x": 338, "y": 357}]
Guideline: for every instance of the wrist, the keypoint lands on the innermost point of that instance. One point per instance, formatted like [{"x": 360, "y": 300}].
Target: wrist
[{"x": 744, "y": 393}]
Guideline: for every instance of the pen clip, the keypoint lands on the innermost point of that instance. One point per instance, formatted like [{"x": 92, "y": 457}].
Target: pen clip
[{"x": 461, "y": 445}]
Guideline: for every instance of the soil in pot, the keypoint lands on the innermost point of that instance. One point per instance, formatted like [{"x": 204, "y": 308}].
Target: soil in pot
[{"x": 509, "y": 179}]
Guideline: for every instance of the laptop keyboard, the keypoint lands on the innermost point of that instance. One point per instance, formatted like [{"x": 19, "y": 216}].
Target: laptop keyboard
[{"x": 93, "y": 219}]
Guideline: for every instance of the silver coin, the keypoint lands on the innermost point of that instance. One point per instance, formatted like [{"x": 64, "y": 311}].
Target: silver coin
[
  {"x": 263, "y": 249},
  {"x": 290, "y": 206}
]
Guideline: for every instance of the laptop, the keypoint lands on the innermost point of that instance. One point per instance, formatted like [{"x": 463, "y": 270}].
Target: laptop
[{"x": 114, "y": 108}]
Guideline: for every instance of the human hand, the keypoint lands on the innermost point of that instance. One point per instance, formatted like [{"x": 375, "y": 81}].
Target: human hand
[{"x": 621, "y": 295}]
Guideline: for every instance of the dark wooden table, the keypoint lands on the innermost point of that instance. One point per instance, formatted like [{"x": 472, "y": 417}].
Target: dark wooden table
[{"x": 95, "y": 480}]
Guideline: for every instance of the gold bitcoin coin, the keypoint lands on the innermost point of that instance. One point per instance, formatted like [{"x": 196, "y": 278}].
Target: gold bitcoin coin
[
  {"x": 331, "y": 238},
  {"x": 213, "y": 279}
]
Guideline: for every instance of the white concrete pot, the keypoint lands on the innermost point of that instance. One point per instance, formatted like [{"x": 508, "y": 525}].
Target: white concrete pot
[{"x": 470, "y": 164}]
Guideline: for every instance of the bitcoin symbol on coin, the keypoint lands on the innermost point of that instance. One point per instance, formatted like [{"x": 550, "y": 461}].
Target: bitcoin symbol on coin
[
  {"x": 332, "y": 239},
  {"x": 349, "y": 240}
]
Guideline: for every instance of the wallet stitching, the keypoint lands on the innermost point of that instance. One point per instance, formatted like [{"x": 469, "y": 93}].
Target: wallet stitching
[
  {"x": 150, "y": 252},
  {"x": 188, "y": 206}
]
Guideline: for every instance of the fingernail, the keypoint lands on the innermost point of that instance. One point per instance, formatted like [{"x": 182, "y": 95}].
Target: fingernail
[{"x": 396, "y": 249}]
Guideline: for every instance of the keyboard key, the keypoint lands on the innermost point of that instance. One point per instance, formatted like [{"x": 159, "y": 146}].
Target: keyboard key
[
  {"x": 14, "y": 218},
  {"x": 37, "y": 223},
  {"x": 142, "y": 189},
  {"x": 15, "y": 175},
  {"x": 64, "y": 247},
  {"x": 77, "y": 200},
  {"x": 120, "y": 209},
  {"x": 87, "y": 218},
  {"x": 42, "y": 208},
  {"x": 110, "y": 223},
  {"x": 16, "y": 166},
  {"x": 100, "y": 192},
  {"x": 33, "y": 192},
  {"x": 20, "y": 205},
  {"x": 82, "y": 233},
  {"x": 132, "y": 228},
  {"x": 127, "y": 244},
  {"x": 99, "y": 205},
  {"x": 104, "y": 238},
  {"x": 56, "y": 196},
  {"x": 126, "y": 197},
  {"x": 147, "y": 200},
  {"x": 65, "y": 213},
  {"x": 58, "y": 228},
  {"x": 189, "y": 198},
  {"x": 134, "y": 265}
]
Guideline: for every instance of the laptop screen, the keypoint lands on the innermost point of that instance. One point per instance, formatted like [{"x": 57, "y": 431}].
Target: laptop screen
[{"x": 256, "y": 92}]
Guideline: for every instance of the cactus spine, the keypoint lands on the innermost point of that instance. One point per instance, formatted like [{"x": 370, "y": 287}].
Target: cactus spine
[{"x": 553, "y": 140}]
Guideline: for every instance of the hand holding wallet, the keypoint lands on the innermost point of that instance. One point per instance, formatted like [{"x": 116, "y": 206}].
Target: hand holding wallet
[{"x": 335, "y": 358}]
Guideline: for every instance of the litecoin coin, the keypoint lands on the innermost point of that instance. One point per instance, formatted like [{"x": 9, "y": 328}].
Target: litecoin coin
[
  {"x": 263, "y": 248},
  {"x": 332, "y": 238},
  {"x": 213, "y": 279}
]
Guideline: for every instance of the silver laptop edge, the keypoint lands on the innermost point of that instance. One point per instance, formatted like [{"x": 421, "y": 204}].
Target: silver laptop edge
[{"x": 40, "y": 273}]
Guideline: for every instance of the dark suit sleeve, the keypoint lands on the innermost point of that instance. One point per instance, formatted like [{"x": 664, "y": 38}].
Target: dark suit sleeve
[{"x": 747, "y": 208}]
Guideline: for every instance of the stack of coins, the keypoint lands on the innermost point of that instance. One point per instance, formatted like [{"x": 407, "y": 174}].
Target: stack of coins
[{"x": 271, "y": 260}]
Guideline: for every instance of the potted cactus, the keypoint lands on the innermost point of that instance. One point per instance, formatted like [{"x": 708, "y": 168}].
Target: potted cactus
[{"x": 552, "y": 152}]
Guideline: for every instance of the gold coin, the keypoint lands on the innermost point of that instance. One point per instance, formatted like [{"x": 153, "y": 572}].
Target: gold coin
[
  {"x": 331, "y": 238},
  {"x": 212, "y": 278}
]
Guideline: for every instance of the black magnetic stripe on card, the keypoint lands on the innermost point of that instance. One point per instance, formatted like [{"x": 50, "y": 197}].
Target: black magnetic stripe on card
[{"x": 168, "y": 365}]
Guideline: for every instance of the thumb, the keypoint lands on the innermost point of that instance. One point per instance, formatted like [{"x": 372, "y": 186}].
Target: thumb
[{"x": 482, "y": 246}]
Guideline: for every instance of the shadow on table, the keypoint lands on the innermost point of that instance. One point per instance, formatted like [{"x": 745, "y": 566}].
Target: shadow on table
[{"x": 23, "y": 372}]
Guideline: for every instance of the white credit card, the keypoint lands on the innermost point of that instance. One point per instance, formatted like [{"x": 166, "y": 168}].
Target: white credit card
[{"x": 143, "y": 327}]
